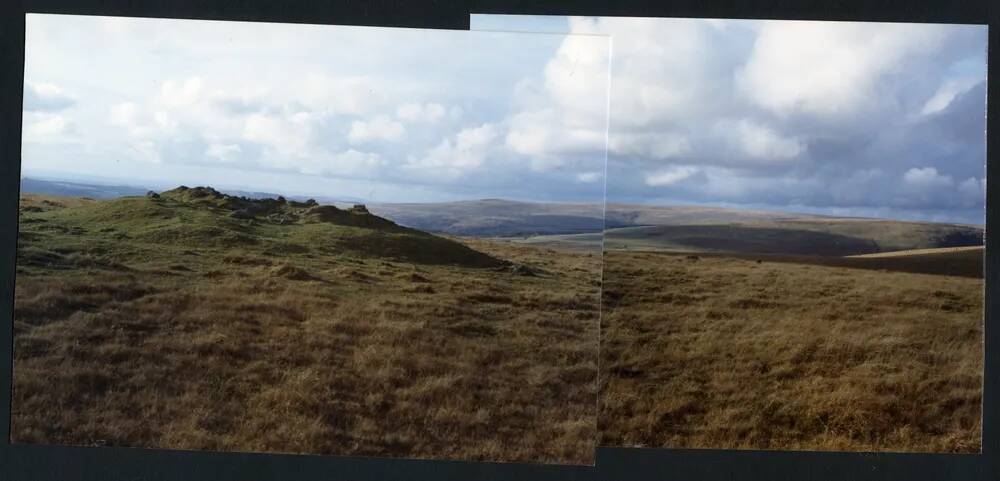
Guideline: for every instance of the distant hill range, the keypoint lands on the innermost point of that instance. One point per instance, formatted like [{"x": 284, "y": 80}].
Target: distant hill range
[
  {"x": 681, "y": 228},
  {"x": 489, "y": 217},
  {"x": 100, "y": 191},
  {"x": 495, "y": 217},
  {"x": 31, "y": 185},
  {"x": 631, "y": 227},
  {"x": 75, "y": 189},
  {"x": 708, "y": 229}
]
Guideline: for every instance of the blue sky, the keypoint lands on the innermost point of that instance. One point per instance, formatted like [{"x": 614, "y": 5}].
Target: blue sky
[
  {"x": 860, "y": 119},
  {"x": 381, "y": 114}
]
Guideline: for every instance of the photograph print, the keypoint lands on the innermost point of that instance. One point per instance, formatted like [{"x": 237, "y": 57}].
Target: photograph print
[
  {"x": 793, "y": 253},
  {"x": 310, "y": 239}
]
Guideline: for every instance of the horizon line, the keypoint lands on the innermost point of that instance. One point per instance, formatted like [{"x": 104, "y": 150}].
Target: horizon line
[{"x": 352, "y": 199}]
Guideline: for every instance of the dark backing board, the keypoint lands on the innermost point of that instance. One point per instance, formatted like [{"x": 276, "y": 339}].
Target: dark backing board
[{"x": 19, "y": 462}]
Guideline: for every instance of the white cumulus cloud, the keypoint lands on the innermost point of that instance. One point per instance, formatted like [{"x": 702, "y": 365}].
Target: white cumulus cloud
[
  {"x": 926, "y": 177},
  {"x": 760, "y": 141},
  {"x": 468, "y": 149},
  {"x": 417, "y": 112},
  {"x": 671, "y": 175},
  {"x": 829, "y": 68},
  {"x": 47, "y": 126},
  {"x": 379, "y": 128},
  {"x": 347, "y": 163},
  {"x": 41, "y": 96},
  {"x": 947, "y": 92},
  {"x": 224, "y": 152}
]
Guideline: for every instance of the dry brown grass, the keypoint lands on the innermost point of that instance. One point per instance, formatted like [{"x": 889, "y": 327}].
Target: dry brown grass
[
  {"x": 230, "y": 350},
  {"x": 720, "y": 352}
]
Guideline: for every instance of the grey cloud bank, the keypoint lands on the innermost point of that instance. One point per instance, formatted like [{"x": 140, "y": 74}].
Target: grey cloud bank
[{"x": 840, "y": 118}]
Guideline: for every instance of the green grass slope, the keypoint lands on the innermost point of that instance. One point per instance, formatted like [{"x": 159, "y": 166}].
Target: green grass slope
[
  {"x": 129, "y": 229},
  {"x": 198, "y": 321}
]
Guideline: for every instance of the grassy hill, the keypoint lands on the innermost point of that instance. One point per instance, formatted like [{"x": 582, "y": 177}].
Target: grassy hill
[
  {"x": 484, "y": 218},
  {"x": 198, "y": 320},
  {"x": 129, "y": 229}
]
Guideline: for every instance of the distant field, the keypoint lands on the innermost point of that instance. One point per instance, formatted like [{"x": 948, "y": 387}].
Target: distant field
[
  {"x": 834, "y": 237},
  {"x": 580, "y": 242},
  {"x": 952, "y": 261},
  {"x": 201, "y": 321},
  {"x": 785, "y": 352},
  {"x": 978, "y": 250}
]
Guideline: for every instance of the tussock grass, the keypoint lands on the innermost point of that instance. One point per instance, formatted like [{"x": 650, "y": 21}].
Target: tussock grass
[
  {"x": 352, "y": 351},
  {"x": 725, "y": 352}
]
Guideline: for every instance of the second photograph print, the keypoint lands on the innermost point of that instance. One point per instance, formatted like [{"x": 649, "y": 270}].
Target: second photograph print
[{"x": 793, "y": 253}]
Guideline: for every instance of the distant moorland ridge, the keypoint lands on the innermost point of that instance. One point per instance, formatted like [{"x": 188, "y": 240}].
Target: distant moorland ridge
[
  {"x": 627, "y": 226},
  {"x": 706, "y": 229}
]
